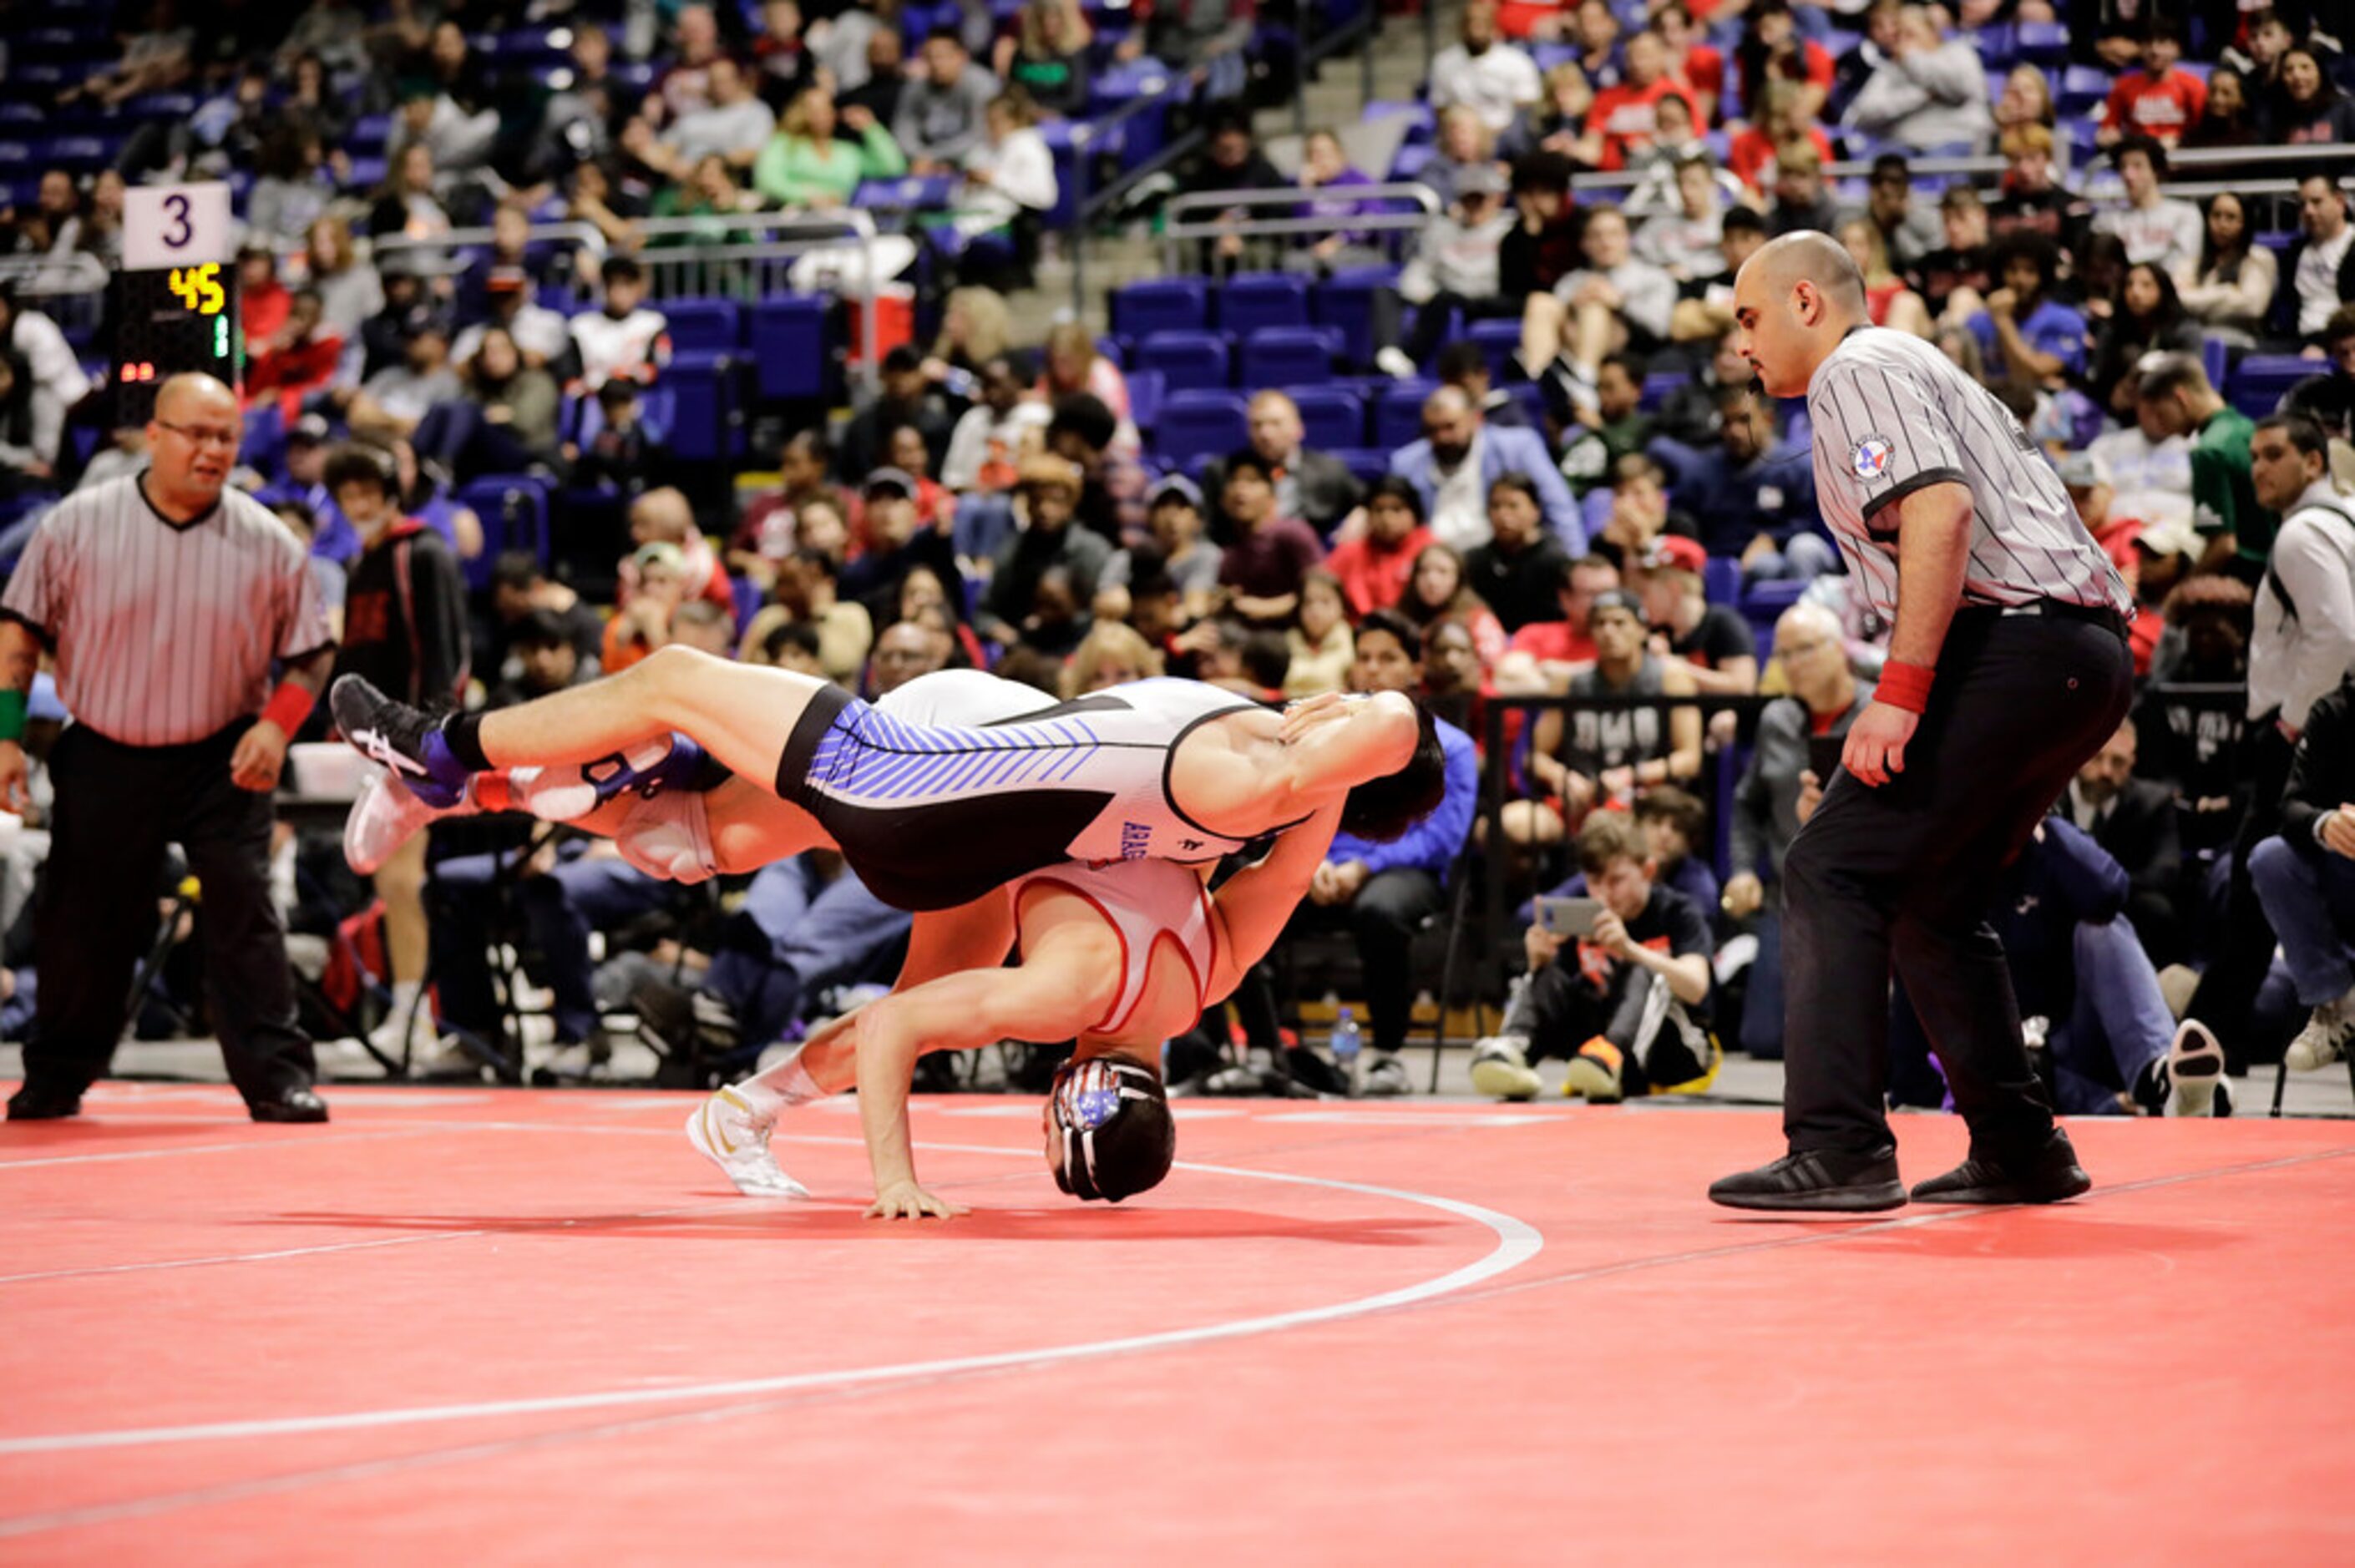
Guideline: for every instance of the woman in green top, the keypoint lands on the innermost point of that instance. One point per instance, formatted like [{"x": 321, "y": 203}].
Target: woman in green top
[
  {"x": 803, "y": 164},
  {"x": 1047, "y": 56}
]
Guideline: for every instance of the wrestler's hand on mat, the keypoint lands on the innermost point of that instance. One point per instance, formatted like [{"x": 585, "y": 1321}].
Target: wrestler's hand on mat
[
  {"x": 906, "y": 1200},
  {"x": 1875, "y": 752}
]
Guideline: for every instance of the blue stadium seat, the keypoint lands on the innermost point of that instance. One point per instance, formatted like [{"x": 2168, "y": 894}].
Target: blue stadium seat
[
  {"x": 2081, "y": 89},
  {"x": 1410, "y": 162},
  {"x": 2212, "y": 356},
  {"x": 707, "y": 423},
  {"x": 1159, "y": 304},
  {"x": 1422, "y": 119},
  {"x": 1146, "y": 392},
  {"x": 1499, "y": 342},
  {"x": 514, "y": 510},
  {"x": 1330, "y": 417},
  {"x": 1366, "y": 465},
  {"x": 1189, "y": 361},
  {"x": 1658, "y": 385},
  {"x": 702, "y": 326},
  {"x": 1251, "y": 302},
  {"x": 2260, "y": 380},
  {"x": 789, "y": 347},
  {"x": 264, "y": 447},
  {"x": 1398, "y": 413},
  {"x": 1289, "y": 356},
  {"x": 2045, "y": 43},
  {"x": 1345, "y": 299},
  {"x": 1196, "y": 424},
  {"x": 1998, "y": 45}
]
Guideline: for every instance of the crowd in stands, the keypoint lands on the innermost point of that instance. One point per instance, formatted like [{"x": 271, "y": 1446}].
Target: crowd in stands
[{"x": 1514, "y": 456}]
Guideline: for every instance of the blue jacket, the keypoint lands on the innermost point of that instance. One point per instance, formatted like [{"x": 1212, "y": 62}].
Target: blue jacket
[
  {"x": 1503, "y": 450},
  {"x": 2059, "y": 882},
  {"x": 1433, "y": 844},
  {"x": 1774, "y": 494}
]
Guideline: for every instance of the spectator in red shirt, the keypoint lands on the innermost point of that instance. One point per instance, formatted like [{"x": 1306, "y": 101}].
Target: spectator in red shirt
[
  {"x": 1374, "y": 567},
  {"x": 1751, "y": 154},
  {"x": 1699, "y": 68},
  {"x": 293, "y": 362},
  {"x": 1564, "y": 641},
  {"x": 1772, "y": 50},
  {"x": 1626, "y": 116},
  {"x": 2158, "y": 100},
  {"x": 262, "y": 301}
]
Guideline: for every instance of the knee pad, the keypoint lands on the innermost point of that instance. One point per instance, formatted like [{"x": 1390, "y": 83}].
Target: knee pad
[{"x": 668, "y": 835}]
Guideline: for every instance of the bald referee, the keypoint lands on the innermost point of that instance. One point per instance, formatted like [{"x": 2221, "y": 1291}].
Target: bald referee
[
  {"x": 166, "y": 600},
  {"x": 2007, "y": 668}
]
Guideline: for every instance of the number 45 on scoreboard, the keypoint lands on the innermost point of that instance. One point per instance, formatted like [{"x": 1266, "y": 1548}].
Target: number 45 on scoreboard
[{"x": 199, "y": 289}]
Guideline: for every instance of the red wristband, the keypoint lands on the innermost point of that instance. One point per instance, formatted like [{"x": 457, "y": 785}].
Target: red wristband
[
  {"x": 288, "y": 706},
  {"x": 1905, "y": 686}
]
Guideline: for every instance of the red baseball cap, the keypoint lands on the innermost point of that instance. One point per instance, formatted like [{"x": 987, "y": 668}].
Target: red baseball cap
[{"x": 1676, "y": 553}]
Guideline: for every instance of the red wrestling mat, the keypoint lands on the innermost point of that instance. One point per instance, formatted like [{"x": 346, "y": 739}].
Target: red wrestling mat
[{"x": 474, "y": 1326}]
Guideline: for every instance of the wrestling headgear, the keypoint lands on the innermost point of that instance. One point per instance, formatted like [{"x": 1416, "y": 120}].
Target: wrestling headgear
[{"x": 1109, "y": 1133}]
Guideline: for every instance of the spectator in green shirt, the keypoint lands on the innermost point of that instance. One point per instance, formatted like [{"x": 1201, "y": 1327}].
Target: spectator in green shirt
[
  {"x": 2173, "y": 391},
  {"x": 805, "y": 165}
]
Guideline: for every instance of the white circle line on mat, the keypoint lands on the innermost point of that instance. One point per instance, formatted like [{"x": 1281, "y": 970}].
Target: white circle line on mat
[{"x": 1517, "y": 1243}]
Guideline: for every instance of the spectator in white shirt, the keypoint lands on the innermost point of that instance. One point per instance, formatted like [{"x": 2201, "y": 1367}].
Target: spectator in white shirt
[
  {"x": 625, "y": 339},
  {"x": 989, "y": 441},
  {"x": 1612, "y": 304},
  {"x": 2152, "y": 227},
  {"x": 57, "y": 378},
  {"x": 1483, "y": 72},
  {"x": 541, "y": 335},
  {"x": 2320, "y": 271},
  {"x": 1011, "y": 172}
]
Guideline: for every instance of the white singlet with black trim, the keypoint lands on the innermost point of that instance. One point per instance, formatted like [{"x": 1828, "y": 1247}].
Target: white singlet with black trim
[
  {"x": 934, "y": 811},
  {"x": 1147, "y": 903}
]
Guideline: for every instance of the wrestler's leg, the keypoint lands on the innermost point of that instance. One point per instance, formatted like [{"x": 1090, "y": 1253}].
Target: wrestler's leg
[{"x": 741, "y": 714}]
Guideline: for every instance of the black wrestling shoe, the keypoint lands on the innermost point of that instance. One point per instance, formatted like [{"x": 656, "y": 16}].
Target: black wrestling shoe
[
  {"x": 2048, "y": 1176},
  {"x": 1830, "y": 1180},
  {"x": 296, "y": 1105},
  {"x": 402, "y": 739},
  {"x": 44, "y": 1102}
]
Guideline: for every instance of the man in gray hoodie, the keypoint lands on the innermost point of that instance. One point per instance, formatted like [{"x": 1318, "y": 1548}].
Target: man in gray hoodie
[
  {"x": 1930, "y": 93},
  {"x": 941, "y": 115}
]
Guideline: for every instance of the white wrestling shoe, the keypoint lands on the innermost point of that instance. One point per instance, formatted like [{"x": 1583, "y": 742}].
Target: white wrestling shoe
[
  {"x": 725, "y": 1131},
  {"x": 385, "y": 816}
]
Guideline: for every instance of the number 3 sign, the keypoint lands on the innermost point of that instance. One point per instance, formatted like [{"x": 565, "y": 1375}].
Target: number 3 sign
[{"x": 175, "y": 225}]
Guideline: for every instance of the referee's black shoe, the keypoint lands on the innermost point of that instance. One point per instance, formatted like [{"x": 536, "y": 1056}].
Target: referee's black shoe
[
  {"x": 2048, "y": 1175},
  {"x": 1830, "y": 1180},
  {"x": 296, "y": 1105},
  {"x": 44, "y": 1102}
]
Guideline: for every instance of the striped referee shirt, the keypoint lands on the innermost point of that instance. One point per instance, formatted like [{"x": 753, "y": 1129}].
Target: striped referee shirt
[
  {"x": 164, "y": 632},
  {"x": 1892, "y": 414}
]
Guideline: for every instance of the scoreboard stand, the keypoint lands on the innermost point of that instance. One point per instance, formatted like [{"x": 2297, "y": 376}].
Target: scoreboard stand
[{"x": 175, "y": 304}]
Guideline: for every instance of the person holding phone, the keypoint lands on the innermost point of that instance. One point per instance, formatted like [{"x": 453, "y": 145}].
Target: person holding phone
[
  {"x": 1619, "y": 983},
  {"x": 1798, "y": 748}
]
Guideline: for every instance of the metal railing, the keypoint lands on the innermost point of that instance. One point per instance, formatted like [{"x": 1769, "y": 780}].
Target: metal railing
[
  {"x": 70, "y": 290},
  {"x": 1177, "y": 229}
]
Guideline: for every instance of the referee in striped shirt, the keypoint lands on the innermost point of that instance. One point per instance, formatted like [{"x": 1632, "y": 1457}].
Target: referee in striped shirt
[
  {"x": 166, "y": 598},
  {"x": 2007, "y": 668}
]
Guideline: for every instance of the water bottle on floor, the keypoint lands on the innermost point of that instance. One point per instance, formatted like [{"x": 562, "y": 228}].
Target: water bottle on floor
[{"x": 1347, "y": 1042}]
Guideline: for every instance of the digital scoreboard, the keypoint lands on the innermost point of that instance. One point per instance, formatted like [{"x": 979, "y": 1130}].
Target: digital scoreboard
[{"x": 174, "y": 306}]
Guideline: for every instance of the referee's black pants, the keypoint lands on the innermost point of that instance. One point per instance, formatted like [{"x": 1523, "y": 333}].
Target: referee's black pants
[
  {"x": 117, "y": 808},
  {"x": 1905, "y": 875}
]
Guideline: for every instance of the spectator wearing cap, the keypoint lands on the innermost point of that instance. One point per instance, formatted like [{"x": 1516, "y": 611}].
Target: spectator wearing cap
[
  {"x": 1374, "y": 567},
  {"x": 1271, "y": 554},
  {"x": 1460, "y": 455},
  {"x": 663, "y": 517},
  {"x": 1179, "y": 554},
  {"x": 1315, "y": 487},
  {"x": 1482, "y": 72},
  {"x": 409, "y": 305},
  {"x": 942, "y": 112},
  {"x": 908, "y": 398},
  {"x": 2154, "y": 227},
  {"x": 1778, "y": 792},
  {"x": 543, "y": 336},
  {"x": 1712, "y": 638},
  {"x": 897, "y": 536},
  {"x": 306, "y": 472},
  {"x": 624, "y": 336},
  {"x": 1932, "y": 92},
  {"x": 1047, "y": 498},
  {"x": 1454, "y": 271},
  {"x": 1518, "y": 571},
  {"x": 1755, "y": 497},
  {"x": 1587, "y": 756},
  {"x": 657, "y": 574}
]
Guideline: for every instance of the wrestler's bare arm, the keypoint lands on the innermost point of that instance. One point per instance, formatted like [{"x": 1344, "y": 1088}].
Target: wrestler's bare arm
[
  {"x": 1246, "y": 773},
  {"x": 1255, "y": 905}
]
